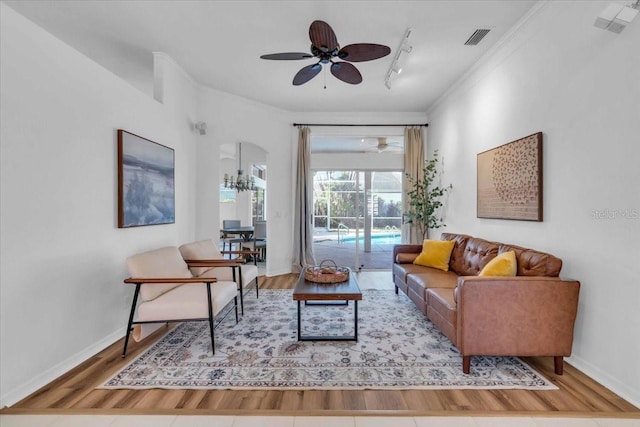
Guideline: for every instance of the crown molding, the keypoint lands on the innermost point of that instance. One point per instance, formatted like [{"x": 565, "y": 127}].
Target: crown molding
[{"x": 496, "y": 49}]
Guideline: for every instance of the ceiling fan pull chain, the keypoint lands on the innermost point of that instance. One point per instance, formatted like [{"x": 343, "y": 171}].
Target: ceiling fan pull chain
[{"x": 324, "y": 72}]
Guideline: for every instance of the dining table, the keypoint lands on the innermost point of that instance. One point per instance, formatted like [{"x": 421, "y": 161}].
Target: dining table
[{"x": 246, "y": 232}]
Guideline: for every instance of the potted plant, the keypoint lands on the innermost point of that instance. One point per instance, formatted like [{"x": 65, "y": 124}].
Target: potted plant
[{"x": 425, "y": 199}]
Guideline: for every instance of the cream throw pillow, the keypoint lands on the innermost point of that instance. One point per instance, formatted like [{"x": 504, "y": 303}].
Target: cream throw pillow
[
  {"x": 504, "y": 264},
  {"x": 436, "y": 254}
]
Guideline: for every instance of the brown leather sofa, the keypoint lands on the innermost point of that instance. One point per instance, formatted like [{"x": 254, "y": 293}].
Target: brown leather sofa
[{"x": 531, "y": 314}]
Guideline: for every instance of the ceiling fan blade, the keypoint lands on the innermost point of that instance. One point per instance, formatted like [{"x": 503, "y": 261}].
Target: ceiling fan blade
[
  {"x": 360, "y": 52},
  {"x": 306, "y": 74},
  {"x": 322, "y": 36},
  {"x": 287, "y": 56},
  {"x": 346, "y": 72}
]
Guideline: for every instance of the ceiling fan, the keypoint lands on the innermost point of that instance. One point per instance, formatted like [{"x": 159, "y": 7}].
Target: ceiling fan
[
  {"x": 383, "y": 145},
  {"x": 325, "y": 47}
]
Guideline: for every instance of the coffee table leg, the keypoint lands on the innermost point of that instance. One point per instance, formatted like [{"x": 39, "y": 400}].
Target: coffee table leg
[
  {"x": 299, "y": 321},
  {"x": 353, "y": 337},
  {"x": 355, "y": 310}
]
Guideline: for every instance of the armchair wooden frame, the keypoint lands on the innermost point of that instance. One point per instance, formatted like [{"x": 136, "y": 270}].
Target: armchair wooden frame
[
  {"x": 183, "y": 280},
  {"x": 217, "y": 262}
]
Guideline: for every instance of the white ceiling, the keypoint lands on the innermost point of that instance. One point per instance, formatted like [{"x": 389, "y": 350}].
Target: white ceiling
[{"x": 219, "y": 44}]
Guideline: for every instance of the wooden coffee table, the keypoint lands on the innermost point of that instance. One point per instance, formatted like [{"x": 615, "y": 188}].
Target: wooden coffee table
[{"x": 327, "y": 294}]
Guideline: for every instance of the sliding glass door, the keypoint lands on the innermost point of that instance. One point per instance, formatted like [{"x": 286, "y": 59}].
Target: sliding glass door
[{"x": 357, "y": 217}]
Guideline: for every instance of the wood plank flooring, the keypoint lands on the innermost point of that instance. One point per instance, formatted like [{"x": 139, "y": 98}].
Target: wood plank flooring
[{"x": 75, "y": 391}]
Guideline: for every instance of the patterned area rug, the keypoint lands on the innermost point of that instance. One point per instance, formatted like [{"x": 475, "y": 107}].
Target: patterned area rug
[{"x": 397, "y": 348}]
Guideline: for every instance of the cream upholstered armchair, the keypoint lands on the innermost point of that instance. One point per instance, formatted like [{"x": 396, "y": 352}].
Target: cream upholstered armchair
[
  {"x": 205, "y": 260},
  {"x": 169, "y": 292}
]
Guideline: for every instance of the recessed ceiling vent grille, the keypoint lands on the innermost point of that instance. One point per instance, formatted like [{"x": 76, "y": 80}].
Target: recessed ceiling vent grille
[{"x": 476, "y": 37}]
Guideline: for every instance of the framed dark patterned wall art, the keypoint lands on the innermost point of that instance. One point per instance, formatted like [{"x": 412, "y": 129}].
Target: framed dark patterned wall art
[
  {"x": 146, "y": 192},
  {"x": 510, "y": 180}
]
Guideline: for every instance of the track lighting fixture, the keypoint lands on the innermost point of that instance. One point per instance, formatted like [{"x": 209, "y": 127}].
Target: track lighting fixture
[
  {"x": 616, "y": 17},
  {"x": 396, "y": 67}
]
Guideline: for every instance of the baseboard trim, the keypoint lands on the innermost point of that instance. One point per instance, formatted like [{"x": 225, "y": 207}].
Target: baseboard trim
[
  {"x": 618, "y": 387},
  {"x": 277, "y": 273},
  {"x": 13, "y": 396}
]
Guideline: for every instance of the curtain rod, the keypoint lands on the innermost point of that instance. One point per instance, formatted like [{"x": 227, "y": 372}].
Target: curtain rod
[{"x": 365, "y": 125}]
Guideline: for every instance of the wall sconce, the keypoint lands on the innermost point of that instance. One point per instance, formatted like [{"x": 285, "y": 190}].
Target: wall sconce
[
  {"x": 201, "y": 127},
  {"x": 396, "y": 67}
]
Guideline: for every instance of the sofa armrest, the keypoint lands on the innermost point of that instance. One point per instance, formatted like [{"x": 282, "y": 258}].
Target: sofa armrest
[
  {"x": 523, "y": 316},
  {"x": 406, "y": 253}
]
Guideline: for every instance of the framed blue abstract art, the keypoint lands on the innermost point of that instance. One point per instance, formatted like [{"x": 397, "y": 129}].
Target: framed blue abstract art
[{"x": 146, "y": 191}]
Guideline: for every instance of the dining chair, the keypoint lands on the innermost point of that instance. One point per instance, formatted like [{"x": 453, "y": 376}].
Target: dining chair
[
  {"x": 170, "y": 293},
  {"x": 259, "y": 241},
  {"x": 228, "y": 238}
]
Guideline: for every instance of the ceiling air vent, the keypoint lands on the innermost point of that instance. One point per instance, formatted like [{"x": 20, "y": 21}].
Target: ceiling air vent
[{"x": 476, "y": 37}]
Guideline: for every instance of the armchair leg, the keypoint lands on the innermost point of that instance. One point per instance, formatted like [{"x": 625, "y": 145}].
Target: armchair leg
[
  {"x": 130, "y": 323},
  {"x": 558, "y": 364},
  {"x": 466, "y": 364},
  {"x": 213, "y": 344},
  {"x": 396, "y": 289},
  {"x": 257, "y": 286},
  {"x": 236, "y": 307},
  {"x": 241, "y": 287}
]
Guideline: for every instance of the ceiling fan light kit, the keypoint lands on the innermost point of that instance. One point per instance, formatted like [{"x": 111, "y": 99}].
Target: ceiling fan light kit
[
  {"x": 381, "y": 145},
  {"x": 325, "y": 47}
]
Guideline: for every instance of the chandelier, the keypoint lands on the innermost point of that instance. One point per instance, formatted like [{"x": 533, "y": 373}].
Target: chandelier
[{"x": 242, "y": 182}]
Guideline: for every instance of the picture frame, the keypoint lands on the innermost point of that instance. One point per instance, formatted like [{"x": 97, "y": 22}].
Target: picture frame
[
  {"x": 509, "y": 184},
  {"x": 146, "y": 185}
]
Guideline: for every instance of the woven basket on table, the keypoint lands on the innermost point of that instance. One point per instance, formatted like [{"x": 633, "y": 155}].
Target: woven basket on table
[{"x": 326, "y": 272}]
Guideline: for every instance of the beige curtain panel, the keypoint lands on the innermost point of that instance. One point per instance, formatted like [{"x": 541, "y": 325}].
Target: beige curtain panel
[
  {"x": 303, "y": 204},
  {"x": 413, "y": 166}
]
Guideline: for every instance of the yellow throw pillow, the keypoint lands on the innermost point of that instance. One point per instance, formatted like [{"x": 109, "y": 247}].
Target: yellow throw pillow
[
  {"x": 436, "y": 254},
  {"x": 504, "y": 264}
]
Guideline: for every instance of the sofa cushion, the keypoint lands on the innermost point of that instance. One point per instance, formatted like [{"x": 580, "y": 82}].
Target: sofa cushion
[
  {"x": 503, "y": 265},
  {"x": 457, "y": 254},
  {"x": 401, "y": 271},
  {"x": 435, "y": 254},
  {"x": 159, "y": 263},
  {"x": 534, "y": 263},
  {"x": 432, "y": 278},
  {"x": 442, "y": 311},
  {"x": 477, "y": 253}
]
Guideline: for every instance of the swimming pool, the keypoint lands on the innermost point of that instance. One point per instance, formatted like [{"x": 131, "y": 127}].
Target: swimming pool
[{"x": 382, "y": 238}]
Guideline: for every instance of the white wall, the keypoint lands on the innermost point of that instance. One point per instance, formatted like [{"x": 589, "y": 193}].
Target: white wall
[
  {"x": 578, "y": 85},
  {"x": 62, "y": 255},
  {"x": 234, "y": 119}
]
